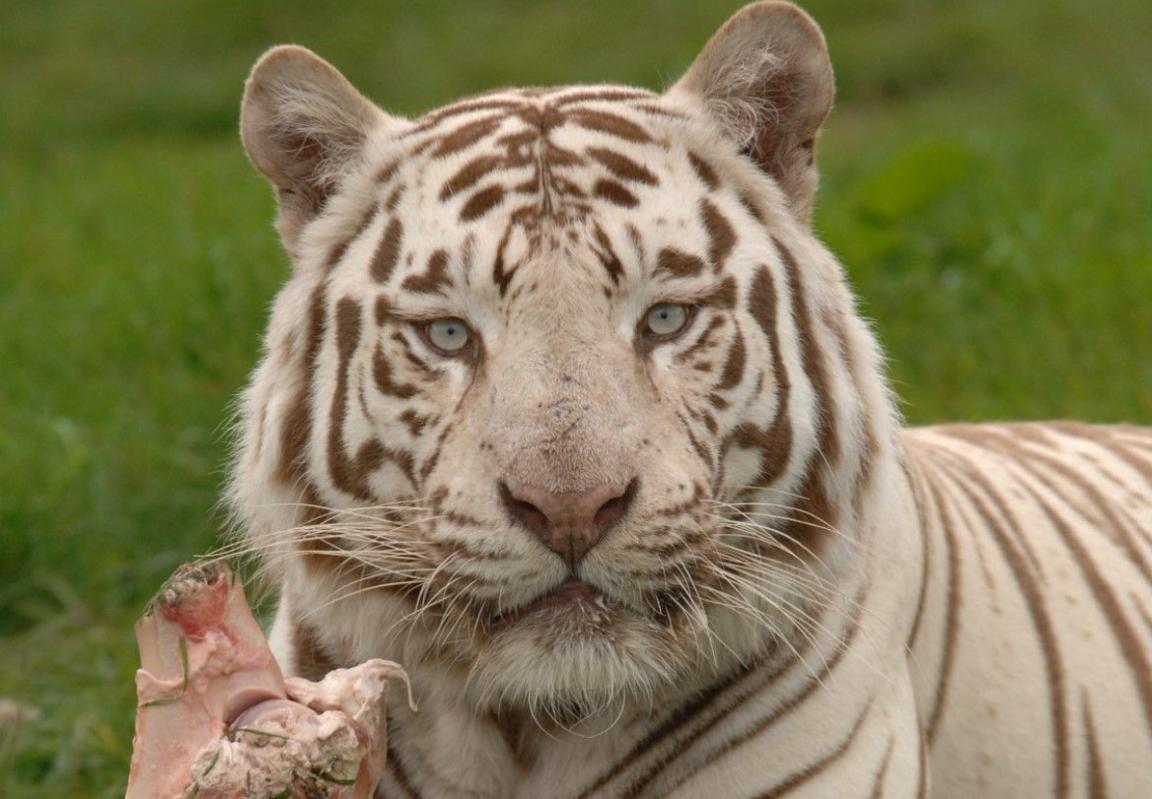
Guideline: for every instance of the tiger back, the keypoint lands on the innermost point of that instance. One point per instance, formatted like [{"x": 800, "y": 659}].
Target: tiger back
[
  {"x": 1034, "y": 618},
  {"x": 565, "y": 408}
]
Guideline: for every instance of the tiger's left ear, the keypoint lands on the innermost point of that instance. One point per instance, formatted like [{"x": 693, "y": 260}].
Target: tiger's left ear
[
  {"x": 305, "y": 127},
  {"x": 766, "y": 80}
]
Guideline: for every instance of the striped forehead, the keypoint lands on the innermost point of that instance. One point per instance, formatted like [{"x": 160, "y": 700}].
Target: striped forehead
[
  {"x": 537, "y": 156},
  {"x": 494, "y": 184}
]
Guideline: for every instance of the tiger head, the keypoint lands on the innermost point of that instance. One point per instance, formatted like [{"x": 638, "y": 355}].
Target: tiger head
[{"x": 562, "y": 390}]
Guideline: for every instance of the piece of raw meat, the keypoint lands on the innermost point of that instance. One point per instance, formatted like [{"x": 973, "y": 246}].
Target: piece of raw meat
[{"x": 216, "y": 719}]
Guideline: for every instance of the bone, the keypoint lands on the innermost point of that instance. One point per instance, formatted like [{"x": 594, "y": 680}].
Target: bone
[{"x": 216, "y": 719}]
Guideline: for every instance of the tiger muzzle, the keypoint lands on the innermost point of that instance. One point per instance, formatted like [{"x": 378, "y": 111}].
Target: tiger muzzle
[{"x": 570, "y": 523}]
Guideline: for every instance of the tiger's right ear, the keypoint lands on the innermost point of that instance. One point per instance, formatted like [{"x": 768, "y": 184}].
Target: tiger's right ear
[
  {"x": 764, "y": 78},
  {"x": 304, "y": 126}
]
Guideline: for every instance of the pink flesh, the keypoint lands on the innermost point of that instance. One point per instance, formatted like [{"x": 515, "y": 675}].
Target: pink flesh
[{"x": 214, "y": 713}]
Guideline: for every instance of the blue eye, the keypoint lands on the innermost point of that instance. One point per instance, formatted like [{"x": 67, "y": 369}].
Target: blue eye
[
  {"x": 666, "y": 319},
  {"x": 450, "y": 336}
]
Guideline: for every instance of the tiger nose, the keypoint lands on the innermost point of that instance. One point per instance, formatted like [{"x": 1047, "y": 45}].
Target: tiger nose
[{"x": 569, "y": 523}]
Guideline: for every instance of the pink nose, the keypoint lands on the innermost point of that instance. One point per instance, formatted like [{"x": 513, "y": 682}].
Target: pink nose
[{"x": 569, "y": 523}]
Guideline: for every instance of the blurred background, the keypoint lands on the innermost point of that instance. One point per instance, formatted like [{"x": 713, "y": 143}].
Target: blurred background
[{"x": 987, "y": 183}]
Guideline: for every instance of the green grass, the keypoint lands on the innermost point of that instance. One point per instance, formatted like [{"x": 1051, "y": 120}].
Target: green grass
[{"x": 987, "y": 184}]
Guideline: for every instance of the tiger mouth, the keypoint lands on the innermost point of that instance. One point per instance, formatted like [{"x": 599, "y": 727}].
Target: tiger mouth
[{"x": 573, "y": 596}]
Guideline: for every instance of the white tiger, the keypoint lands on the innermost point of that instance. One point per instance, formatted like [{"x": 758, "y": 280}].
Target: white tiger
[{"x": 565, "y": 408}]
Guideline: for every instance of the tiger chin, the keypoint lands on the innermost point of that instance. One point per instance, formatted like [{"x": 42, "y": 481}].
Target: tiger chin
[{"x": 565, "y": 407}]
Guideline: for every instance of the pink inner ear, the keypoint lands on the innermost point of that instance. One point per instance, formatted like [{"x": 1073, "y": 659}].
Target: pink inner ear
[
  {"x": 766, "y": 79},
  {"x": 778, "y": 129}
]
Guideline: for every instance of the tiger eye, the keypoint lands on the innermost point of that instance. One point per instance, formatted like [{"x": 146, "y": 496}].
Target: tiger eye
[
  {"x": 450, "y": 336},
  {"x": 666, "y": 319}
]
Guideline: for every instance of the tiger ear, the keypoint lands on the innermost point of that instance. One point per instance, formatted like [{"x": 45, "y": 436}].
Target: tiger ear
[
  {"x": 304, "y": 126},
  {"x": 766, "y": 80}
]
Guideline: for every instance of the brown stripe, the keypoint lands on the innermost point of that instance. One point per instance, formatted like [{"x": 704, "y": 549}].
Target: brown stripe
[
  {"x": 814, "y": 500},
  {"x": 561, "y": 185},
  {"x": 1034, "y": 601},
  {"x": 751, "y": 731},
  {"x": 609, "y": 123},
  {"x": 776, "y": 441},
  {"x": 1127, "y": 531},
  {"x": 607, "y": 255},
  {"x": 637, "y": 242},
  {"x": 733, "y": 371},
  {"x": 723, "y": 296},
  {"x": 700, "y": 449},
  {"x": 815, "y": 769},
  {"x": 469, "y": 175},
  {"x": 1097, "y": 782},
  {"x": 434, "y": 458},
  {"x": 1120, "y": 527},
  {"x": 467, "y": 134},
  {"x": 382, "y": 377},
  {"x": 296, "y": 427},
  {"x": 920, "y": 498},
  {"x": 813, "y": 360},
  {"x": 394, "y": 198},
  {"x": 709, "y": 421},
  {"x": 863, "y": 418},
  {"x": 388, "y": 171},
  {"x": 882, "y": 772},
  {"x": 383, "y": 312},
  {"x": 922, "y": 773},
  {"x": 614, "y": 193},
  {"x": 752, "y": 207},
  {"x": 603, "y": 95},
  {"x": 677, "y": 263},
  {"x": 434, "y": 118},
  {"x": 657, "y": 110},
  {"x": 704, "y": 340},
  {"x": 660, "y": 550},
  {"x": 721, "y": 235},
  {"x": 703, "y": 170},
  {"x": 740, "y": 683},
  {"x": 1127, "y": 639},
  {"x": 481, "y": 202},
  {"x": 984, "y": 437},
  {"x": 814, "y": 515},
  {"x": 387, "y": 252},
  {"x": 413, "y": 421},
  {"x": 447, "y": 546},
  {"x": 622, "y": 166},
  {"x": 1145, "y": 616},
  {"x": 344, "y": 472},
  {"x": 952, "y": 605},
  {"x": 1103, "y": 436},
  {"x": 501, "y": 272},
  {"x": 350, "y": 474},
  {"x": 414, "y": 360},
  {"x": 432, "y": 280},
  {"x": 336, "y": 254},
  {"x": 537, "y": 124}
]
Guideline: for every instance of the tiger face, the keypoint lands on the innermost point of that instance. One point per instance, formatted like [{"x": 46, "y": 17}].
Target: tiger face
[{"x": 542, "y": 397}]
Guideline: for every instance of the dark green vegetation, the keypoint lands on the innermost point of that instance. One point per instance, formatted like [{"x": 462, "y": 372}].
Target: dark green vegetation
[{"x": 988, "y": 184}]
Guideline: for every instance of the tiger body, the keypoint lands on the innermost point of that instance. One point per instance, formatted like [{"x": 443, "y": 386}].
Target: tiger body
[
  {"x": 1032, "y": 646},
  {"x": 621, "y": 557}
]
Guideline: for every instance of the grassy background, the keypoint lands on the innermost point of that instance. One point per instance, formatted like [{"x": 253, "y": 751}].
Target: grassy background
[{"x": 987, "y": 182}]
